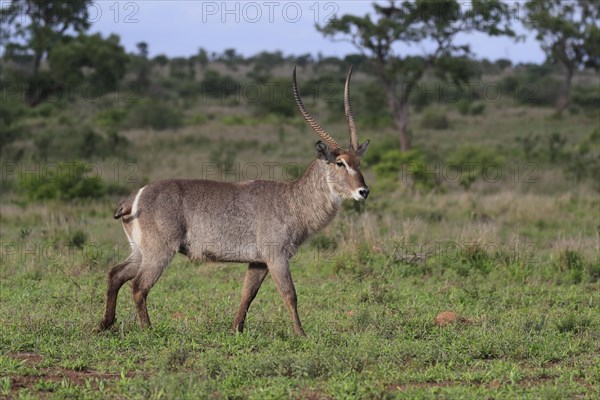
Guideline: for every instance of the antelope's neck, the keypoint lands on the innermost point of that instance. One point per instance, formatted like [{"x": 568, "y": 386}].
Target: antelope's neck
[{"x": 312, "y": 198}]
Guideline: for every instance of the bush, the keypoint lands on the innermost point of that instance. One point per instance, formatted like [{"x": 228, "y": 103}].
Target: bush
[
  {"x": 473, "y": 162},
  {"x": 198, "y": 119},
  {"x": 374, "y": 110},
  {"x": 275, "y": 99},
  {"x": 389, "y": 163},
  {"x": 529, "y": 88},
  {"x": 68, "y": 181},
  {"x": 586, "y": 97},
  {"x": 575, "y": 267},
  {"x": 154, "y": 114},
  {"x": 529, "y": 145},
  {"x": 465, "y": 107},
  {"x": 92, "y": 144},
  {"x": 469, "y": 258},
  {"x": 477, "y": 108},
  {"x": 10, "y": 113},
  {"x": 111, "y": 117},
  {"x": 584, "y": 160},
  {"x": 217, "y": 86},
  {"x": 223, "y": 156},
  {"x": 435, "y": 120},
  {"x": 556, "y": 144},
  {"x": 78, "y": 142}
]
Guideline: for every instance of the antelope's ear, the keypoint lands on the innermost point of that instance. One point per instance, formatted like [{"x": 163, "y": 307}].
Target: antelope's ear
[
  {"x": 323, "y": 152},
  {"x": 362, "y": 149}
]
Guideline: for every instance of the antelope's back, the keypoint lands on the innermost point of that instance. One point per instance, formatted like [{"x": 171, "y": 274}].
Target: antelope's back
[{"x": 217, "y": 221}]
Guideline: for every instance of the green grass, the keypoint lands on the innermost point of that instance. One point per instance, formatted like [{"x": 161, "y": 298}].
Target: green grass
[
  {"x": 526, "y": 330},
  {"x": 518, "y": 261}
]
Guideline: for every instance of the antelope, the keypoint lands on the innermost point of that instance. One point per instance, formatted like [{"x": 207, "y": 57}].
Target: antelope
[{"x": 259, "y": 222}]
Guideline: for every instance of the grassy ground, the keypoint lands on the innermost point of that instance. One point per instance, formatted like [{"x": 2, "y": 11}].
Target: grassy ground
[
  {"x": 517, "y": 261},
  {"x": 370, "y": 323}
]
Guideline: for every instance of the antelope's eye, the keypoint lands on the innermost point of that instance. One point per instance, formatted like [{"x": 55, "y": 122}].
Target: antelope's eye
[{"x": 340, "y": 164}]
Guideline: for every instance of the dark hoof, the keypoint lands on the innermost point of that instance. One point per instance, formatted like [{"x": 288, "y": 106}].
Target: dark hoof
[{"x": 103, "y": 326}]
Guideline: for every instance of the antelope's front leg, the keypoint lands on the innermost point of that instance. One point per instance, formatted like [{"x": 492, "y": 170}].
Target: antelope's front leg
[{"x": 280, "y": 271}]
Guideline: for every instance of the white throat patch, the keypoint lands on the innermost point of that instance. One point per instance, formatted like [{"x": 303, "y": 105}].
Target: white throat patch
[{"x": 334, "y": 195}]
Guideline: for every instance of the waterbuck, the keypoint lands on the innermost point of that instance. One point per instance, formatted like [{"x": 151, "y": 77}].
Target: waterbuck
[{"x": 260, "y": 222}]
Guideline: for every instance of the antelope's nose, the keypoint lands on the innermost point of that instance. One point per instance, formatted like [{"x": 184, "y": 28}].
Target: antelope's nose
[{"x": 364, "y": 192}]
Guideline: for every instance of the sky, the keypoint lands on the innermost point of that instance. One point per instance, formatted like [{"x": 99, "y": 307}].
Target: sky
[{"x": 180, "y": 28}]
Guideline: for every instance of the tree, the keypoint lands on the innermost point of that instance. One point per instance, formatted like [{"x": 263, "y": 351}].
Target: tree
[
  {"x": 46, "y": 23},
  {"x": 413, "y": 22},
  {"x": 303, "y": 60},
  {"x": 569, "y": 34},
  {"x": 263, "y": 64},
  {"x": 202, "y": 57},
  {"x": 105, "y": 60},
  {"x": 231, "y": 59},
  {"x": 142, "y": 65}
]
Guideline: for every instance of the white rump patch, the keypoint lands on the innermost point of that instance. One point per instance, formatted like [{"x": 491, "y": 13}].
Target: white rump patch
[{"x": 135, "y": 240}]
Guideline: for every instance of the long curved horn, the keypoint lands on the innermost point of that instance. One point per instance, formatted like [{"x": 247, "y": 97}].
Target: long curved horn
[
  {"x": 349, "y": 115},
  {"x": 311, "y": 121}
]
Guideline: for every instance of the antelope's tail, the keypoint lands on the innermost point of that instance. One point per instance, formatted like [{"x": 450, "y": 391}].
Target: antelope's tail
[{"x": 124, "y": 208}]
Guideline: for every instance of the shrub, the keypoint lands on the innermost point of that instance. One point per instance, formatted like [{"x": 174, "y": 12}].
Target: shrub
[
  {"x": 372, "y": 103},
  {"x": 111, "y": 117},
  {"x": 556, "y": 143},
  {"x": 465, "y": 107},
  {"x": 575, "y": 267},
  {"x": 473, "y": 162},
  {"x": 10, "y": 113},
  {"x": 197, "y": 119},
  {"x": 477, "y": 109},
  {"x": 572, "y": 323},
  {"x": 528, "y": 144},
  {"x": 435, "y": 120},
  {"x": 571, "y": 263},
  {"x": 157, "y": 115},
  {"x": 410, "y": 166},
  {"x": 586, "y": 97},
  {"x": 223, "y": 156},
  {"x": 275, "y": 99},
  {"x": 584, "y": 160},
  {"x": 76, "y": 142},
  {"x": 240, "y": 120},
  {"x": 68, "y": 181},
  {"x": 531, "y": 88},
  {"x": 218, "y": 86},
  {"x": 77, "y": 239},
  {"x": 323, "y": 242},
  {"x": 91, "y": 144},
  {"x": 467, "y": 258}
]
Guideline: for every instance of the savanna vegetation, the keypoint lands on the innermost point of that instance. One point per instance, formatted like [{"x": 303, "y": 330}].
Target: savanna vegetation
[{"x": 492, "y": 215}]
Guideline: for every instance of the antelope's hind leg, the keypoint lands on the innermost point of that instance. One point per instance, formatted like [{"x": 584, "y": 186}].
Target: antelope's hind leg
[
  {"x": 254, "y": 278},
  {"x": 150, "y": 270},
  {"x": 118, "y": 275}
]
